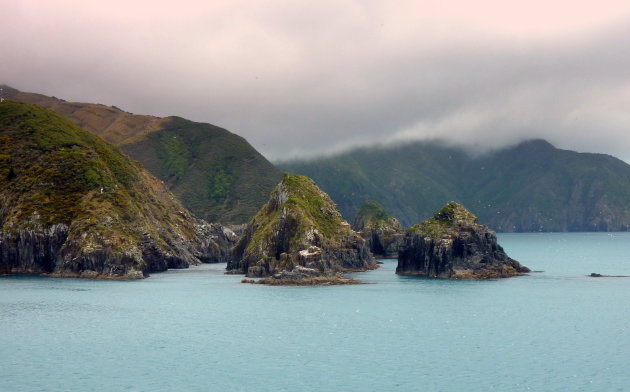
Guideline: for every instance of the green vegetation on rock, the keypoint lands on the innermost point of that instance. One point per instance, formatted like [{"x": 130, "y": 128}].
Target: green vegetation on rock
[
  {"x": 74, "y": 205},
  {"x": 299, "y": 226},
  {"x": 448, "y": 219},
  {"x": 451, "y": 244}
]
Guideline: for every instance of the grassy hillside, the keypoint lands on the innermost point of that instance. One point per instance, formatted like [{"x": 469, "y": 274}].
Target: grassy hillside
[
  {"x": 72, "y": 203},
  {"x": 218, "y": 175},
  {"x": 529, "y": 187},
  {"x": 215, "y": 173}
]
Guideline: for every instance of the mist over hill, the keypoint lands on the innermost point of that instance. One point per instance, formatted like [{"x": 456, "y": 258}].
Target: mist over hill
[{"x": 532, "y": 186}]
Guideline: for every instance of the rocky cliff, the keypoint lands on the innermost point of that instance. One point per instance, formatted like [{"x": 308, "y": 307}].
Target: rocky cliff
[
  {"x": 299, "y": 237},
  {"x": 74, "y": 206},
  {"x": 452, "y": 244},
  {"x": 382, "y": 233}
]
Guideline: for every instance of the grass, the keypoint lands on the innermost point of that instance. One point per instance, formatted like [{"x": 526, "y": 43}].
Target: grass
[
  {"x": 48, "y": 162},
  {"x": 445, "y": 221}
]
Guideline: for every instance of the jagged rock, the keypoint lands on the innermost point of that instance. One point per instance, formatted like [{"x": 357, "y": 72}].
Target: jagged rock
[
  {"x": 74, "y": 206},
  {"x": 299, "y": 226},
  {"x": 382, "y": 233},
  {"x": 452, "y": 244}
]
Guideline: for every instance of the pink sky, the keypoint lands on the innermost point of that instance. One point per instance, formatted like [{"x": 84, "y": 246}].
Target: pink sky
[{"x": 298, "y": 77}]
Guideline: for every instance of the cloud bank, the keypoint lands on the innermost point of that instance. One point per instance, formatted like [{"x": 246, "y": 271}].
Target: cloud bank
[{"x": 298, "y": 79}]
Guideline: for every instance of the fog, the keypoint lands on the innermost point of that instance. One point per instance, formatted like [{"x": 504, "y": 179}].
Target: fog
[{"x": 298, "y": 79}]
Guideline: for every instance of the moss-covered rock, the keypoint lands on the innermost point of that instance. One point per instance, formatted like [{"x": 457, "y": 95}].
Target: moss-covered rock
[
  {"x": 73, "y": 205},
  {"x": 299, "y": 226},
  {"x": 382, "y": 233},
  {"x": 452, "y": 244}
]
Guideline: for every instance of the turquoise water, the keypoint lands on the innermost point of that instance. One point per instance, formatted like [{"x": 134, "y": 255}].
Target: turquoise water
[{"x": 200, "y": 330}]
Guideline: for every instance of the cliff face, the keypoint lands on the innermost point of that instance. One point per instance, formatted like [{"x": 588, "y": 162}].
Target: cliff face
[
  {"x": 299, "y": 228},
  {"x": 452, "y": 244},
  {"x": 74, "y": 206},
  {"x": 382, "y": 233}
]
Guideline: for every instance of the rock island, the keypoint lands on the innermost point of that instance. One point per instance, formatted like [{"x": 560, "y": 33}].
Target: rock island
[
  {"x": 453, "y": 245},
  {"x": 299, "y": 238}
]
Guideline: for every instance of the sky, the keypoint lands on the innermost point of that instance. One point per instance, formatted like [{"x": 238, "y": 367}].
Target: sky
[{"x": 304, "y": 78}]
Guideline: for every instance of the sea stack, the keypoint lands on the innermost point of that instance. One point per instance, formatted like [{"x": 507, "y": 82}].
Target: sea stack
[
  {"x": 75, "y": 206},
  {"x": 382, "y": 233},
  {"x": 299, "y": 237},
  {"x": 453, "y": 245}
]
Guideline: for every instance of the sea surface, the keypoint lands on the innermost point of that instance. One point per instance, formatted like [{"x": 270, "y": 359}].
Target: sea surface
[{"x": 201, "y": 330}]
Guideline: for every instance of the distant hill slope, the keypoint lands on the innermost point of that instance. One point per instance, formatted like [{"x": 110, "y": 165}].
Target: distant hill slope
[
  {"x": 74, "y": 205},
  {"x": 216, "y": 174},
  {"x": 530, "y": 187}
]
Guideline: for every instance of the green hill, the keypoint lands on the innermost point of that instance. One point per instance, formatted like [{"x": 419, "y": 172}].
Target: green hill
[
  {"x": 73, "y": 205},
  {"x": 299, "y": 226},
  {"x": 529, "y": 187},
  {"x": 218, "y": 175}
]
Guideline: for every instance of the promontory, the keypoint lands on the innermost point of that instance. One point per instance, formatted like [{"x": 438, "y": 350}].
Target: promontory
[{"x": 74, "y": 206}]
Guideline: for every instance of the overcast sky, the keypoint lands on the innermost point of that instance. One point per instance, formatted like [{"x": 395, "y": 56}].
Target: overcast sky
[{"x": 301, "y": 78}]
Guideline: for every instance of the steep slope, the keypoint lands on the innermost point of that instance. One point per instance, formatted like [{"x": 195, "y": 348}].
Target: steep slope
[
  {"x": 215, "y": 173},
  {"x": 218, "y": 175},
  {"x": 529, "y": 187},
  {"x": 73, "y": 205},
  {"x": 299, "y": 227}
]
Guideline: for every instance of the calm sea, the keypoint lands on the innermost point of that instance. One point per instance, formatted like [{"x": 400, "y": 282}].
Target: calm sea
[{"x": 200, "y": 330}]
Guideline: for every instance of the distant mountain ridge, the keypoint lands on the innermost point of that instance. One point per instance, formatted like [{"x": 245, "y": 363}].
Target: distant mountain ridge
[
  {"x": 529, "y": 187},
  {"x": 216, "y": 174}
]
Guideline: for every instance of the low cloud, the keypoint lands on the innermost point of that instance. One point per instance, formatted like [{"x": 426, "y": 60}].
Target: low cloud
[{"x": 302, "y": 79}]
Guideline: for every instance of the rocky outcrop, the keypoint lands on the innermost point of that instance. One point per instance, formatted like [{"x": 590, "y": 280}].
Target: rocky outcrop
[
  {"x": 452, "y": 244},
  {"x": 74, "y": 206},
  {"x": 299, "y": 230},
  {"x": 382, "y": 233}
]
